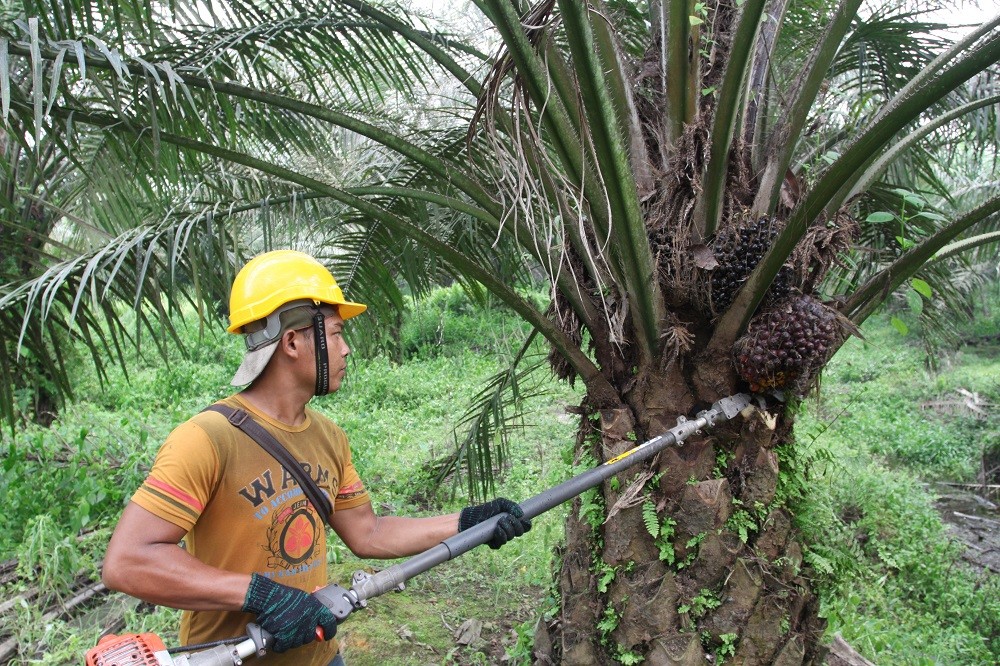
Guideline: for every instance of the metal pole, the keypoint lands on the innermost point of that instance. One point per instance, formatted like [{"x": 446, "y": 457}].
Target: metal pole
[{"x": 395, "y": 576}]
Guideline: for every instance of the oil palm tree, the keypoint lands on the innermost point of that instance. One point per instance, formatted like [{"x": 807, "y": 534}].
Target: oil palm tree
[{"x": 692, "y": 179}]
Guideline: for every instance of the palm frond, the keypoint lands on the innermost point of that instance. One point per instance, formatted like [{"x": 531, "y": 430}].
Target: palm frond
[
  {"x": 484, "y": 448},
  {"x": 783, "y": 139},
  {"x": 829, "y": 191},
  {"x": 728, "y": 108},
  {"x": 630, "y": 247},
  {"x": 152, "y": 148},
  {"x": 965, "y": 245},
  {"x": 866, "y": 298}
]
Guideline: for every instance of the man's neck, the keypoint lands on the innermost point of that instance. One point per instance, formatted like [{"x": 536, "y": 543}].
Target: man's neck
[{"x": 281, "y": 404}]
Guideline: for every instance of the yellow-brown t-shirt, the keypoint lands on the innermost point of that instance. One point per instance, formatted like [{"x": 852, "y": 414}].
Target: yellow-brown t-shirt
[{"x": 245, "y": 513}]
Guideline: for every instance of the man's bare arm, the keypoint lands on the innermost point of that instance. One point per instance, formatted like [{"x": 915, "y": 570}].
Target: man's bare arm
[
  {"x": 144, "y": 561},
  {"x": 386, "y": 537}
]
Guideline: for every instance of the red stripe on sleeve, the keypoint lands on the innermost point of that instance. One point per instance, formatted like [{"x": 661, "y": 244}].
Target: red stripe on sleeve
[
  {"x": 170, "y": 490},
  {"x": 352, "y": 489}
]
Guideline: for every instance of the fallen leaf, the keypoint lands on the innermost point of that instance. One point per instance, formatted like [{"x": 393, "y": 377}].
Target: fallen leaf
[
  {"x": 704, "y": 258},
  {"x": 468, "y": 632}
]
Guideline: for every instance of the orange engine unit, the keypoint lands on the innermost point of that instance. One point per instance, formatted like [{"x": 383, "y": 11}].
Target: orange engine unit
[{"x": 129, "y": 650}]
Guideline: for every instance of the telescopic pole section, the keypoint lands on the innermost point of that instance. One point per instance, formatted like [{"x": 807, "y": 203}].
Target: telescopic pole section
[{"x": 393, "y": 577}]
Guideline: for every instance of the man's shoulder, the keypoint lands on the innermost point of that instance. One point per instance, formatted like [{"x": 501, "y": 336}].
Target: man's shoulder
[
  {"x": 215, "y": 424},
  {"x": 326, "y": 429}
]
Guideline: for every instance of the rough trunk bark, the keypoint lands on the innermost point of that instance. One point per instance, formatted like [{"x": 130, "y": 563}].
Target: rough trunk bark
[{"x": 691, "y": 560}]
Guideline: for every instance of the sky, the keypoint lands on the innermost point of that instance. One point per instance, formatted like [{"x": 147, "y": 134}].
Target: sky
[{"x": 970, "y": 13}]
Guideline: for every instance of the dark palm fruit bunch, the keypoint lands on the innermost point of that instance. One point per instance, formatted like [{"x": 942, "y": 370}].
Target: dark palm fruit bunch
[
  {"x": 787, "y": 343},
  {"x": 738, "y": 250}
]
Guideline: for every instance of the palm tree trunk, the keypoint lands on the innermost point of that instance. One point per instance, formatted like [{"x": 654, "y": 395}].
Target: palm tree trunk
[{"x": 722, "y": 579}]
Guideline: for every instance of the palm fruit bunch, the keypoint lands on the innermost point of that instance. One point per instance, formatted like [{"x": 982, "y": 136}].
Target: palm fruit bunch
[
  {"x": 662, "y": 245},
  {"x": 738, "y": 249},
  {"x": 786, "y": 344}
]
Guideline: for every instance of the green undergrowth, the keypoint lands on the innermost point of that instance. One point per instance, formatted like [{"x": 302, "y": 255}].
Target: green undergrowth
[
  {"x": 909, "y": 417},
  {"x": 891, "y": 580},
  {"x": 498, "y": 591}
]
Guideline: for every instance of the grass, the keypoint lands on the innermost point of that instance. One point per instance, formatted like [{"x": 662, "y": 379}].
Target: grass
[
  {"x": 888, "y": 405},
  {"x": 883, "y": 427},
  {"x": 891, "y": 581}
]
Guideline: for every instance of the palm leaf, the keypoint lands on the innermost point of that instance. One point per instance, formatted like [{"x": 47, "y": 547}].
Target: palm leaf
[
  {"x": 830, "y": 190},
  {"x": 484, "y": 449}
]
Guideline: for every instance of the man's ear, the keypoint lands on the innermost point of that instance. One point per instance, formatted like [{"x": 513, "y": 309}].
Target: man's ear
[{"x": 291, "y": 343}]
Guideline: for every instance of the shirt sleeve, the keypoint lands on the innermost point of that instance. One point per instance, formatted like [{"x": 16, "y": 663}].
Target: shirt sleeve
[
  {"x": 351, "y": 492},
  {"x": 183, "y": 478}
]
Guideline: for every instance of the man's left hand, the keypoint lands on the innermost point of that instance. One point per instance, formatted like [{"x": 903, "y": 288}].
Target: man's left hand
[{"x": 511, "y": 524}]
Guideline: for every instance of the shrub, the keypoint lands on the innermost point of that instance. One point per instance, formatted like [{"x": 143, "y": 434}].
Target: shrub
[{"x": 448, "y": 322}]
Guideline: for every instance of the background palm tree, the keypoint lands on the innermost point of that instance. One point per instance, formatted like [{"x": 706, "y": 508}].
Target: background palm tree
[{"x": 685, "y": 174}]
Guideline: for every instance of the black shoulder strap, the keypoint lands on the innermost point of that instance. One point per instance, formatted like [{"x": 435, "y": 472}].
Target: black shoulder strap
[{"x": 242, "y": 420}]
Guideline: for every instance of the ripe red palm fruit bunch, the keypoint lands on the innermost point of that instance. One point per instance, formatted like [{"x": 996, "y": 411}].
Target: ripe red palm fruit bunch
[{"x": 787, "y": 343}]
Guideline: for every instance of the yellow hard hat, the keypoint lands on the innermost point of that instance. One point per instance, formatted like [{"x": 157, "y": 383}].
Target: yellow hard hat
[{"x": 272, "y": 279}]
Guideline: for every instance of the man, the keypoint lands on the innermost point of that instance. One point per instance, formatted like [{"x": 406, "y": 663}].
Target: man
[{"x": 254, "y": 546}]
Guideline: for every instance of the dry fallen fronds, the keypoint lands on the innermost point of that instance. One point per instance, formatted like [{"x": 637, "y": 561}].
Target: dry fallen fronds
[{"x": 632, "y": 496}]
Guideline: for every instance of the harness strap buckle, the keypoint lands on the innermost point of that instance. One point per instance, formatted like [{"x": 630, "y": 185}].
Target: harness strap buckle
[{"x": 238, "y": 417}]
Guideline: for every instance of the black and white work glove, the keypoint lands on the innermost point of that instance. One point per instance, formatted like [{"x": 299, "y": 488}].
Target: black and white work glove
[
  {"x": 511, "y": 523},
  {"x": 288, "y": 614}
]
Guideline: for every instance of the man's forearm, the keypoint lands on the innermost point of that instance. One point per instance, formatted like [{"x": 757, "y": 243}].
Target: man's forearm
[
  {"x": 168, "y": 576},
  {"x": 398, "y": 536}
]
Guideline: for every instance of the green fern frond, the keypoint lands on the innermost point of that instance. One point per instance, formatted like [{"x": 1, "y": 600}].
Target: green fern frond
[{"x": 650, "y": 518}]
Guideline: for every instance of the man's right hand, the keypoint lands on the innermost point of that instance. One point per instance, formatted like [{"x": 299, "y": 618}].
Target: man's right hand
[{"x": 290, "y": 615}]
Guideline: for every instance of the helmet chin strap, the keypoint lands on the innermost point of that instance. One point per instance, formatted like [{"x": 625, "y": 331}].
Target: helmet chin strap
[{"x": 322, "y": 356}]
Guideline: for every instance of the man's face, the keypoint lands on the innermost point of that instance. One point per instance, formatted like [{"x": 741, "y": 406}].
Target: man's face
[{"x": 337, "y": 350}]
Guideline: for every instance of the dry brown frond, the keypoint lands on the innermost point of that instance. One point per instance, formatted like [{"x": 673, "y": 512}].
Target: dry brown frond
[
  {"x": 632, "y": 496},
  {"x": 820, "y": 249},
  {"x": 678, "y": 341},
  {"x": 564, "y": 316}
]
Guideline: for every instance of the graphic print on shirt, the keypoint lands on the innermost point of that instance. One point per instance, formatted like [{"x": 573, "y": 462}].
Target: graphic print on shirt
[
  {"x": 293, "y": 530},
  {"x": 292, "y": 536}
]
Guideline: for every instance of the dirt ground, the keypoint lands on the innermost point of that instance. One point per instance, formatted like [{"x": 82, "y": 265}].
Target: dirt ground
[{"x": 975, "y": 522}]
